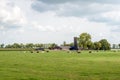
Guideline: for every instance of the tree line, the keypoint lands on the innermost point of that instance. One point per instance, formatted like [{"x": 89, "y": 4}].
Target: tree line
[
  {"x": 116, "y": 46},
  {"x": 84, "y": 42},
  {"x": 28, "y": 45}
]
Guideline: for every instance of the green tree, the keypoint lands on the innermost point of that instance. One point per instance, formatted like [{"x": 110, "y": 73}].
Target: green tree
[
  {"x": 22, "y": 45},
  {"x": 29, "y": 45},
  {"x": 1, "y": 45},
  {"x": 105, "y": 45},
  {"x": 16, "y": 45},
  {"x": 8, "y": 46},
  {"x": 119, "y": 46},
  {"x": 84, "y": 40},
  {"x": 97, "y": 45},
  {"x": 53, "y": 45},
  {"x": 39, "y": 45},
  {"x": 71, "y": 44},
  {"x": 114, "y": 46},
  {"x": 64, "y": 43},
  {"x": 90, "y": 45}
]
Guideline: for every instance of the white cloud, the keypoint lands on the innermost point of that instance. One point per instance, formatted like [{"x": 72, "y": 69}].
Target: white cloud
[
  {"x": 11, "y": 16},
  {"x": 113, "y": 15},
  {"x": 1, "y": 27},
  {"x": 43, "y": 28}
]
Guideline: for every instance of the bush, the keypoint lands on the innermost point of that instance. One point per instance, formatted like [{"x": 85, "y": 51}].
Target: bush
[
  {"x": 90, "y": 51},
  {"x": 31, "y": 51},
  {"x": 37, "y": 51},
  {"x": 78, "y": 52},
  {"x": 47, "y": 51}
]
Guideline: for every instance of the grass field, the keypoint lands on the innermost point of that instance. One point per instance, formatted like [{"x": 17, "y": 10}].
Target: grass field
[{"x": 59, "y": 65}]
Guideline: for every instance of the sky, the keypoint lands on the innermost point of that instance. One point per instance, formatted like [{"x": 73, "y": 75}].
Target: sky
[{"x": 55, "y": 21}]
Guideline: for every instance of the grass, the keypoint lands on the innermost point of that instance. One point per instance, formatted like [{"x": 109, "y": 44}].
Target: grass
[{"x": 59, "y": 65}]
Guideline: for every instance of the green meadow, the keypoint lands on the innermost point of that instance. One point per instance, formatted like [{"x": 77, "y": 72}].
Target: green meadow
[{"x": 59, "y": 65}]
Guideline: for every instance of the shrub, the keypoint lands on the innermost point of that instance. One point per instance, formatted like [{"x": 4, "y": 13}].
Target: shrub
[
  {"x": 90, "y": 51},
  {"x": 47, "y": 51},
  {"x": 78, "y": 52},
  {"x": 37, "y": 51},
  {"x": 31, "y": 51}
]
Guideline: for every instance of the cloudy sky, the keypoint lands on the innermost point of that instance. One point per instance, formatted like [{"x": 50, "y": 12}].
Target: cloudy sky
[{"x": 49, "y": 21}]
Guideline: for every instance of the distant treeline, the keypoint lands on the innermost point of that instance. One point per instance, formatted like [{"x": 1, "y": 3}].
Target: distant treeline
[
  {"x": 116, "y": 46},
  {"x": 27, "y": 46},
  {"x": 84, "y": 41}
]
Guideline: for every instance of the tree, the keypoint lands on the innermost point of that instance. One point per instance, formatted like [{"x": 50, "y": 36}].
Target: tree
[
  {"x": 39, "y": 45},
  {"x": 105, "y": 45},
  {"x": 53, "y": 45},
  {"x": 119, "y": 46},
  {"x": 29, "y": 45},
  {"x": 114, "y": 46},
  {"x": 16, "y": 45},
  {"x": 84, "y": 40},
  {"x": 90, "y": 45},
  {"x": 8, "y": 46},
  {"x": 64, "y": 43},
  {"x": 22, "y": 45},
  {"x": 1, "y": 45},
  {"x": 97, "y": 45},
  {"x": 71, "y": 44}
]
